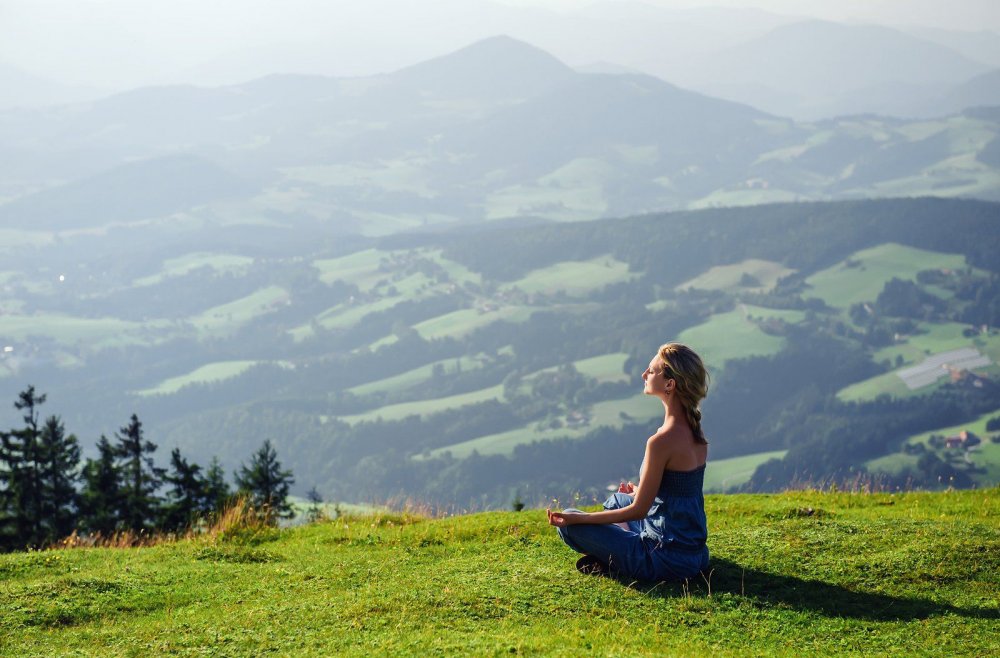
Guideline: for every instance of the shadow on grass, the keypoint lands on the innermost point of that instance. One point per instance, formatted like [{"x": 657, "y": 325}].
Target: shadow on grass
[{"x": 771, "y": 589}]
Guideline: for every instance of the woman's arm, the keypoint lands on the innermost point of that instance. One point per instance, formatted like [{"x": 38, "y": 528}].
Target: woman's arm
[{"x": 653, "y": 464}]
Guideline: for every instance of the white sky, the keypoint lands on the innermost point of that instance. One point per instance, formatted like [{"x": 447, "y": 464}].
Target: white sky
[{"x": 116, "y": 44}]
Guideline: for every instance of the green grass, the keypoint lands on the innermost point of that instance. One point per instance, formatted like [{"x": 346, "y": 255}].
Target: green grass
[
  {"x": 727, "y": 277},
  {"x": 940, "y": 337},
  {"x": 427, "y": 407},
  {"x": 888, "y": 383},
  {"x": 861, "y": 277},
  {"x": 460, "y": 323},
  {"x": 798, "y": 574},
  {"x": 608, "y": 413},
  {"x": 986, "y": 456},
  {"x": 206, "y": 374},
  {"x": 572, "y": 192},
  {"x": 725, "y": 474},
  {"x": 417, "y": 376},
  {"x": 225, "y": 319},
  {"x": 575, "y": 278},
  {"x": 936, "y": 338},
  {"x": 180, "y": 266},
  {"x": 87, "y": 333},
  {"x": 735, "y": 335},
  {"x": 360, "y": 268}
]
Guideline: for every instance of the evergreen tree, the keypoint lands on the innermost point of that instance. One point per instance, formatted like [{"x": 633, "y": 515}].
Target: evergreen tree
[
  {"x": 216, "y": 494},
  {"x": 20, "y": 469},
  {"x": 100, "y": 500},
  {"x": 266, "y": 484},
  {"x": 186, "y": 497},
  {"x": 140, "y": 478},
  {"x": 60, "y": 455}
]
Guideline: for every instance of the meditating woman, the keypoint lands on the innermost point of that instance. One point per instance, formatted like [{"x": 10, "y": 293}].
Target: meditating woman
[{"x": 655, "y": 530}]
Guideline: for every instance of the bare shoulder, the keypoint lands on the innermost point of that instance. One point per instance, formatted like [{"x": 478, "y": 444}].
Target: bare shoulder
[{"x": 677, "y": 446}]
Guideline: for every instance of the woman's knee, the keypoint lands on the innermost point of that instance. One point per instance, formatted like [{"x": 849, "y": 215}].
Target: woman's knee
[{"x": 618, "y": 501}]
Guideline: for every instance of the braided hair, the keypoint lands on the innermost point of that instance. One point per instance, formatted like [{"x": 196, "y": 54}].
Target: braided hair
[{"x": 685, "y": 367}]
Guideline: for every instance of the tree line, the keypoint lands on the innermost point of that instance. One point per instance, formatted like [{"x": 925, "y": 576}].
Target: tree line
[{"x": 46, "y": 494}]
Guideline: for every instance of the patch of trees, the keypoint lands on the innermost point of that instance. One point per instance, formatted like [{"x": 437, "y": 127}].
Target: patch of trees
[
  {"x": 829, "y": 442},
  {"x": 46, "y": 494}
]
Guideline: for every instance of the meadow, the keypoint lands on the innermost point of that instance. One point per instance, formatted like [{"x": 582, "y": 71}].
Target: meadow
[
  {"x": 861, "y": 277},
  {"x": 794, "y": 574}
]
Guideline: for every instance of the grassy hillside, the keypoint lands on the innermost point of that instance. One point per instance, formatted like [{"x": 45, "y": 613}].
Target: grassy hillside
[{"x": 792, "y": 574}]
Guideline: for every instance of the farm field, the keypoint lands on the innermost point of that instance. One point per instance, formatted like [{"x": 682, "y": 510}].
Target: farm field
[
  {"x": 939, "y": 338},
  {"x": 861, "y": 277},
  {"x": 462, "y": 322},
  {"x": 985, "y": 456},
  {"x": 727, "y": 277},
  {"x": 575, "y": 278},
  {"x": 426, "y": 407},
  {"x": 607, "y": 413},
  {"x": 206, "y": 374},
  {"x": 734, "y": 335},
  {"x": 722, "y": 475},
  {"x": 417, "y": 376},
  {"x": 179, "y": 266},
  {"x": 225, "y": 319},
  {"x": 81, "y": 333}
]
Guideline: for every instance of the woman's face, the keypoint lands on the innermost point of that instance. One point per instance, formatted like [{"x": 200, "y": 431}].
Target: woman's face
[{"x": 654, "y": 381}]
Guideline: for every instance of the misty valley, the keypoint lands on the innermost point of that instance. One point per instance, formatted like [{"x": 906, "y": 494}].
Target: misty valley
[{"x": 442, "y": 284}]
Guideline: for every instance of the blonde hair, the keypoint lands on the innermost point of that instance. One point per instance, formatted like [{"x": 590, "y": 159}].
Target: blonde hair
[{"x": 686, "y": 368}]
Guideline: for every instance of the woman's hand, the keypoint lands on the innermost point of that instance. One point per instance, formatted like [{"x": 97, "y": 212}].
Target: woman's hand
[
  {"x": 563, "y": 519},
  {"x": 626, "y": 488}
]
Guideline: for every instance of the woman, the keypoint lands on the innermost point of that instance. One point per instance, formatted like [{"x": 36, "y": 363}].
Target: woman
[{"x": 656, "y": 530}]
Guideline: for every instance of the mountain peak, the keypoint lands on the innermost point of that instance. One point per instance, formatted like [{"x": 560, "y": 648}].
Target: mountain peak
[{"x": 496, "y": 67}]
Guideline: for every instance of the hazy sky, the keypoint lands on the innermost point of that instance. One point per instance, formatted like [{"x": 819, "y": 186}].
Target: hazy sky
[{"x": 117, "y": 44}]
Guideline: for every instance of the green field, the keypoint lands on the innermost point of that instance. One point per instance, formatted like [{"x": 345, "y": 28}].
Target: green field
[
  {"x": 575, "y": 278},
  {"x": 180, "y": 266},
  {"x": 794, "y": 574},
  {"x": 206, "y": 374},
  {"x": 417, "y": 376},
  {"x": 460, "y": 323},
  {"x": 736, "y": 334},
  {"x": 888, "y": 383},
  {"x": 861, "y": 277},
  {"x": 723, "y": 475},
  {"x": 985, "y": 456},
  {"x": 225, "y": 319},
  {"x": 360, "y": 268},
  {"x": 608, "y": 413},
  {"x": 572, "y": 192},
  {"x": 427, "y": 407},
  {"x": 85, "y": 333},
  {"x": 936, "y": 338},
  {"x": 727, "y": 277}
]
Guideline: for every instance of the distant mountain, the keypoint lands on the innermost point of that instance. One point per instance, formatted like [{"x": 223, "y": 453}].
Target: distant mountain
[
  {"x": 140, "y": 190},
  {"x": 20, "y": 89},
  {"x": 982, "y": 46},
  {"x": 498, "y": 68},
  {"x": 982, "y": 90},
  {"x": 830, "y": 69},
  {"x": 498, "y": 129}
]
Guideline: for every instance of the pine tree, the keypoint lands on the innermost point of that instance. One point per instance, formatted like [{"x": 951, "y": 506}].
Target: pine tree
[
  {"x": 100, "y": 499},
  {"x": 20, "y": 472},
  {"x": 140, "y": 478},
  {"x": 266, "y": 484},
  {"x": 217, "y": 492},
  {"x": 186, "y": 496},
  {"x": 60, "y": 455}
]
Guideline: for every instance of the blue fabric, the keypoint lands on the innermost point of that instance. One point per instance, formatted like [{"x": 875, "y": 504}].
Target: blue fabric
[{"x": 669, "y": 544}]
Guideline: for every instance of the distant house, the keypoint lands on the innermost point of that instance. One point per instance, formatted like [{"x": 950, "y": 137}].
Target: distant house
[{"x": 963, "y": 439}]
